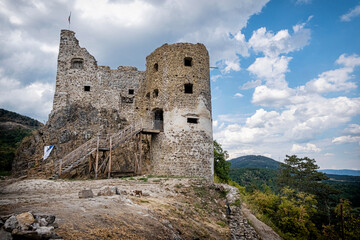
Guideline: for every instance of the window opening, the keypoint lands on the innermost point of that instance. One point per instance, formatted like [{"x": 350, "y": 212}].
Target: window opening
[
  {"x": 87, "y": 88},
  {"x": 156, "y": 93},
  {"x": 131, "y": 91},
  {"x": 148, "y": 95},
  {"x": 159, "y": 119},
  {"x": 192, "y": 120},
  {"x": 188, "y": 61},
  {"x": 156, "y": 67},
  {"x": 188, "y": 88},
  {"x": 77, "y": 63}
]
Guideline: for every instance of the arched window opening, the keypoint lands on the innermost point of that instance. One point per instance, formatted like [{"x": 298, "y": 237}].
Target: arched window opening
[
  {"x": 77, "y": 63},
  {"x": 156, "y": 93},
  {"x": 156, "y": 67}
]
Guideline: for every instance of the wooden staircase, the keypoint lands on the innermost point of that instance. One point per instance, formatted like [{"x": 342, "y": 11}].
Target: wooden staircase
[{"x": 80, "y": 154}]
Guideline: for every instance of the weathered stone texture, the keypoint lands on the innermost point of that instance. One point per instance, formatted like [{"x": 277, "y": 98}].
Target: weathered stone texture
[{"x": 173, "y": 95}]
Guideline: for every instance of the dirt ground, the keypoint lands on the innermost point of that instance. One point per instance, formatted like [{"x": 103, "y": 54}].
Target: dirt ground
[{"x": 170, "y": 208}]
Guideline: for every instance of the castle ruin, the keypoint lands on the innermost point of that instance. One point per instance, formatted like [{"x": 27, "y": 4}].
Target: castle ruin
[{"x": 162, "y": 113}]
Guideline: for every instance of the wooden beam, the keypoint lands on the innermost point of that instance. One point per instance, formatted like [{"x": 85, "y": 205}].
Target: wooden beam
[
  {"x": 60, "y": 166},
  {"x": 140, "y": 152},
  {"x": 97, "y": 157},
  {"x": 90, "y": 163},
  {"x": 110, "y": 158}
]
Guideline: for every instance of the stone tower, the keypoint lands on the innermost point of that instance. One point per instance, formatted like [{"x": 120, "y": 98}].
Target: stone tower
[{"x": 176, "y": 96}]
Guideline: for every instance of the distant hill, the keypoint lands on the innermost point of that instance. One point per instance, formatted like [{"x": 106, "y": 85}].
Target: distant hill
[
  {"x": 254, "y": 161},
  {"x": 341, "y": 172},
  {"x": 13, "y": 128}
]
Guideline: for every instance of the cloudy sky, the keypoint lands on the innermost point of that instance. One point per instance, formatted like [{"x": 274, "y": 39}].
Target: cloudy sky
[{"x": 287, "y": 78}]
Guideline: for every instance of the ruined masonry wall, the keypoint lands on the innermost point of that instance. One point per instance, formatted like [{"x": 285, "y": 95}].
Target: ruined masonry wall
[
  {"x": 109, "y": 88},
  {"x": 183, "y": 148}
]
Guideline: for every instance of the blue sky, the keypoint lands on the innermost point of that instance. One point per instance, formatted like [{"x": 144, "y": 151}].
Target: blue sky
[{"x": 287, "y": 78}]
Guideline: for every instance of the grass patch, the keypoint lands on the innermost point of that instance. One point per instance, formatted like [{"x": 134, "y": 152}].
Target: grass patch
[
  {"x": 143, "y": 179},
  {"x": 144, "y": 201},
  {"x": 237, "y": 203},
  {"x": 220, "y": 223},
  {"x": 200, "y": 191},
  {"x": 178, "y": 185},
  {"x": 157, "y": 180}
]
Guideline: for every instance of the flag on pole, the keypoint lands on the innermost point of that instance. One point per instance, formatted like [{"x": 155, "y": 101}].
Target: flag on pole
[
  {"x": 47, "y": 151},
  {"x": 69, "y": 18}
]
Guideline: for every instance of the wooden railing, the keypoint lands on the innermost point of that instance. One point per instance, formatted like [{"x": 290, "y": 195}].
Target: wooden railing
[{"x": 79, "y": 155}]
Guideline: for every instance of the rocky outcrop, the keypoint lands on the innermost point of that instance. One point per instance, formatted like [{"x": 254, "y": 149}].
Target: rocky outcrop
[{"x": 67, "y": 129}]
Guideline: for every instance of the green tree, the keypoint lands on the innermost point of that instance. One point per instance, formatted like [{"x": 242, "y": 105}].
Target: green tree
[
  {"x": 301, "y": 175},
  {"x": 221, "y": 166}
]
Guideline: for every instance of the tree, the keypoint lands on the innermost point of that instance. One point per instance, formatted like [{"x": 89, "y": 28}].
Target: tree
[
  {"x": 301, "y": 174},
  {"x": 221, "y": 166}
]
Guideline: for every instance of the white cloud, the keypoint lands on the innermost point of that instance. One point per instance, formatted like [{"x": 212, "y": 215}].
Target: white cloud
[
  {"x": 329, "y": 154},
  {"x": 353, "y": 129},
  {"x": 338, "y": 79},
  {"x": 346, "y": 139},
  {"x": 349, "y": 61},
  {"x": 273, "y": 66},
  {"x": 272, "y": 69},
  {"x": 351, "y": 14},
  {"x": 34, "y": 99},
  {"x": 303, "y": 2},
  {"x": 308, "y": 148},
  {"x": 262, "y": 119},
  {"x": 238, "y": 95},
  {"x": 251, "y": 84},
  {"x": 282, "y": 42},
  {"x": 265, "y": 96},
  {"x": 332, "y": 81},
  {"x": 214, "y": 78}
]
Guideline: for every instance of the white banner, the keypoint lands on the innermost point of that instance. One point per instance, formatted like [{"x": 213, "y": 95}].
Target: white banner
[{"x": 47, "y": 151}]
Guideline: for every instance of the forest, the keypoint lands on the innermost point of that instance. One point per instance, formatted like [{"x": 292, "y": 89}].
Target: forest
[{"x": 297, "y": 200}]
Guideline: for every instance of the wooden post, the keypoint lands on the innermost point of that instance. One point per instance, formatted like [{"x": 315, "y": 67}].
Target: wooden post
[
  {"x": 60, "y": 166},
  {"x": 109, "y": 173},
  {"x": 140, "y": 152},
  {"x": 90, "y": 163},
  {"x": 97, "y": 157}
]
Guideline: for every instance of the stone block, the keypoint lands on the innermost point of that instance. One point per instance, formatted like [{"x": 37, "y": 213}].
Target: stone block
[
  {"x": 86, "y": 193},
  {"x": 108, "y": 191}
]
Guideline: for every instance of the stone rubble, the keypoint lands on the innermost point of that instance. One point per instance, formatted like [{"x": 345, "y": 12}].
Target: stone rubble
[
  {"x": 28, "y": 226},
  {"x": 240, "y": 229}
]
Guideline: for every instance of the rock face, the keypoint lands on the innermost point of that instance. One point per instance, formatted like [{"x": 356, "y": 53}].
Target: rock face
[{"x": 172, "y": 97}]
